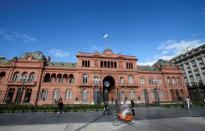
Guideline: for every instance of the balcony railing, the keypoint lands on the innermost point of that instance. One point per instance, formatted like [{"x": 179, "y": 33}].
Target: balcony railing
[
  {"x": 20, "y": 83},
  {"x": 86, "y": 84},
  {"x": 128, "y": 84}
]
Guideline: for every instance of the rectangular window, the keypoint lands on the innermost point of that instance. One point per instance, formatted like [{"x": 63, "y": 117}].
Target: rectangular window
[
  {"x": 161, "y": 93},
  {"x": 142, "y": 81},
  {"x": 152, "y": 94},
  {"x": 85, "y": 78},
  {"x": 168, "y": 80},
  {"x": 132, "y": 95},
  {"x": 130, "y": 79},
  {"x": 122, "y": 96},
  {"x": 151, "y": 81},
  {"x": 68, "y": 94},
  {"x": 121, "y": 80},
  {"x": 173, "y": 81}
]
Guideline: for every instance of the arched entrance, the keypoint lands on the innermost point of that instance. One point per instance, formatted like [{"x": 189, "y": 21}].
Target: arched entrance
[{"x": 108, "y": 85}]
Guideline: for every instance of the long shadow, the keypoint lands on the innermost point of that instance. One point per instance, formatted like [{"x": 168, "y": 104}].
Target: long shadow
[
  {"x": 87, "y": 124},
  {"x": 90, "y": 117}
]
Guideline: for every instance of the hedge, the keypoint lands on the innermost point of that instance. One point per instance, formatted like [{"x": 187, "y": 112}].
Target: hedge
[{"x": 48, "y": 108}]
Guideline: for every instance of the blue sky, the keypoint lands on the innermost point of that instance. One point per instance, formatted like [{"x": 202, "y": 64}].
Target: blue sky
[{"x": 147, "y": 29}]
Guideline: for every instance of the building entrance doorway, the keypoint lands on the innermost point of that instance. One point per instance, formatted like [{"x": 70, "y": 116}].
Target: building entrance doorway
[{"x": 108, "y": 85}]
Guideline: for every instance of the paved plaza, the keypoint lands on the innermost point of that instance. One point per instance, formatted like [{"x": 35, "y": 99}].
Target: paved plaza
[{"x": 152, "y": 118}]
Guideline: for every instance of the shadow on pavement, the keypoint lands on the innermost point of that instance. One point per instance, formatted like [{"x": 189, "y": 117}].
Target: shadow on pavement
[{"x": 93, "y": 117}]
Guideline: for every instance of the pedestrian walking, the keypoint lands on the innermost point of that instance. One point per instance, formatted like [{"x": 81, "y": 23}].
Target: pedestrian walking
[
  {"x": 60, "y": 106},
  {"x": 187, "y": 102},
  {"x": 106, "y": 109},
  {"x": 133, "y": 107}
]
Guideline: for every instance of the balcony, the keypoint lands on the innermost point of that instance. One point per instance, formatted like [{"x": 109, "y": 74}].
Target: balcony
[
  {"x": 19, "y": 83},
  {"x": 86, "y": 85},
  {"x": 128, "y": 85}
]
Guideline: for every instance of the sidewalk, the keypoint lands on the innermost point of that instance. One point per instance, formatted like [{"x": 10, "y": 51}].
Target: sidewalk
[{"x": 153, "y": 118}]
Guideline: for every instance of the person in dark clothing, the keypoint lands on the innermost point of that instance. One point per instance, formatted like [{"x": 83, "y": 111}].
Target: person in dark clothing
[
  {"x": 133, "y": 107},
  {"x": 60, "y": 106},
  {"x": 106, "y": 109}
]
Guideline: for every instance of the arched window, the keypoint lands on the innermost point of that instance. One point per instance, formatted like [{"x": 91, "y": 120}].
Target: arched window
[
  {"x": 68, "y": 94},
  {"x": 115, "y": 64},
  {"x": 60, "y": 78},
  {"x": 173, "y": 81},
  {"x": 71, "y": 78},
  {"x": 2, "y": 75},
  {"x": 85, "y": 78},
  {"x": 105, "y": 64},
  {"x": 32, "y": 77},
  {"x": 53, "y": 77},
  {"x": 130, "y": 79},
  {"x": 108, "y": 64},
  {"x": 168, "y": 80},
  {"x": 84, "y": 94},
  {"x": 178, "y": 81},
  {"x": 86, "y": 63},
  {"x": 44, "y": 94},
  {"x": 101, "y": 64},
  {"x": 65, "y": 78},
  {"x": 111, "y": 64},
  {"x": 83, "y": 63},
  {"x": 47, "y": 78},
  {"x": 132, "y": 94},
  {"x": 16, "y": 76},
  {"x": 24, "y": 77}
]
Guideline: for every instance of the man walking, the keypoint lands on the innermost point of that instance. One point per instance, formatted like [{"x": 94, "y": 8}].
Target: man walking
[
  {"x": 133, "y": 107},
  {"x": 106, "y": 109},
  {"x": 60, "y": 106},
  {"x": 187, "y": 102}
]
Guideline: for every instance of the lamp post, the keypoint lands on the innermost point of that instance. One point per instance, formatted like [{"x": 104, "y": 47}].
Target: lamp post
[
  {"x": 196, "y": 83},
  {"x": 97, "y": 93},
  {"x": 156, "y": 81},
  {"x": 24, "y": 78}
]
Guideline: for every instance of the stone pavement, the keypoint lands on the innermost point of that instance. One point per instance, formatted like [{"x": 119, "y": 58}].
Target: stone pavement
[{"x": 153, "y": 118}]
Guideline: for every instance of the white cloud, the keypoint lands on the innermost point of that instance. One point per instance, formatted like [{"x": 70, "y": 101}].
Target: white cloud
[
  {"x": 14, "y": 36},
  {"x": 178, "y": 47},
  {"x": 59, "y": 53},
  {"x": 150, "y": 63},
  {"x": 171, "y": 48}
]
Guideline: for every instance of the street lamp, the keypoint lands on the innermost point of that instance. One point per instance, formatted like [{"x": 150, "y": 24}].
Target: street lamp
[
  {"x": 196, "y": 83},
  {"x": 156, "y": 81},
  {"x": 97, "y": 93},
  {"x": 23, "y": 78}
]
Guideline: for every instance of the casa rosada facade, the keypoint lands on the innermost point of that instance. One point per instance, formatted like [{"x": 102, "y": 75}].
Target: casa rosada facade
[{"x": 33, "y": 78}]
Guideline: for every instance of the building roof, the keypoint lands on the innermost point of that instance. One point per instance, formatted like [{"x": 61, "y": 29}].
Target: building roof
[
  {"x": 38, "y": 55},
  {"x": 61, "y": 64},
  {"x": 162, "y": 62},
  {"x": 147, "y": 68},
  {"x": 4, "y": 61}
]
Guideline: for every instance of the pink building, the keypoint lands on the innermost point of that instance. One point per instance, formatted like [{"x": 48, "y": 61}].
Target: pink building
[{"x": 33, "y": 78}]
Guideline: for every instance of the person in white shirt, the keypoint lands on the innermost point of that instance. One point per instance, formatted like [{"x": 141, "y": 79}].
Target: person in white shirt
[{"x": 187, "y": 101}]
